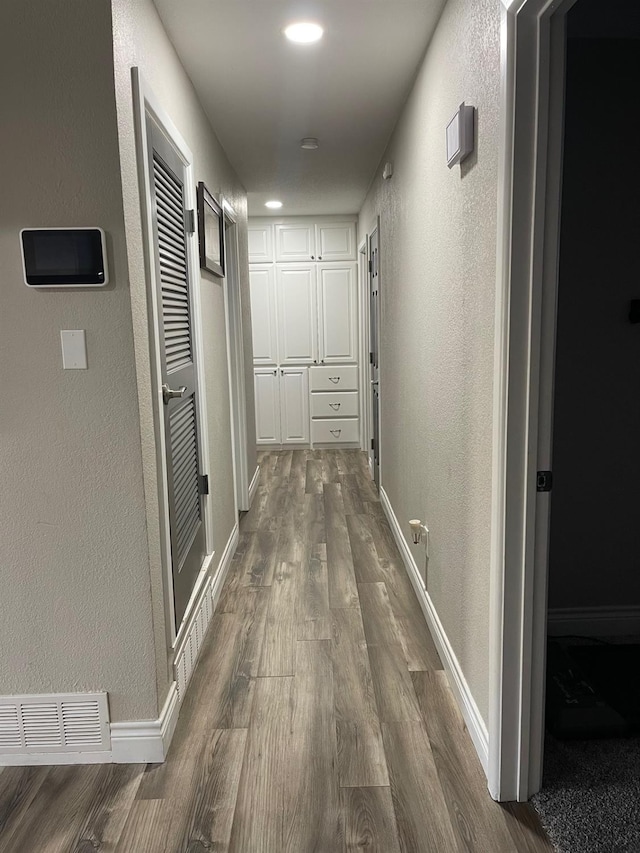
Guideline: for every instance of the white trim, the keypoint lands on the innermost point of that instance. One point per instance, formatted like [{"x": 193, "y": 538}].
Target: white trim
[
  {"x": 146, "y": 105},
  {"x": 472, "y": 717},
  {"x": 253, "y": 487},
  {"x": 225, "y": 564},
  {"x": 612, "y": 621},
  {"x": 235, "y": 357},
  {"x": 233, "y": 396},
  {"x": 52, "y": 758},
  {"x": 363, "y": 322},
  {"x": 517, "y": 617},
  {"x": 146, "y": 741}
]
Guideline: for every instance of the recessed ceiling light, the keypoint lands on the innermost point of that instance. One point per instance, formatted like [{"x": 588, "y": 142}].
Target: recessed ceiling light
[
  {"x": 304, "y": 32},
  {"x": 309, "y": 142},
  {"x": 274, "y": 205}
]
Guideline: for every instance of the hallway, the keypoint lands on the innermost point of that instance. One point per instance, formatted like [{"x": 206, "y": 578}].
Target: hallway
[{"x": 318, "y": 719}]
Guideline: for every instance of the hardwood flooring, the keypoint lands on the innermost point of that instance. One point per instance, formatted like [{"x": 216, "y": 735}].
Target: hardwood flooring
[{"x": 318, "y": 719}]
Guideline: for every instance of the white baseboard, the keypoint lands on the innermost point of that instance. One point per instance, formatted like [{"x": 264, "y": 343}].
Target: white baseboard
[
  {"x": 459, "y": 686},
  {"x": 146, "y": 741},
  {"x": 253, "y": 486},
  {"x": 594, "y": 621},
  {"x": 225, "y": 563}
]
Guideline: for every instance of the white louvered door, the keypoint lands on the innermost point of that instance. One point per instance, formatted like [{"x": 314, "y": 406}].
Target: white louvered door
[{"x": 179, "y": 376}]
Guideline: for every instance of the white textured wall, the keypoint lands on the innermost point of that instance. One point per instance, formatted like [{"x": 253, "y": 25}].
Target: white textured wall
[
  {"x": 75, "y": 609},
  {"x": 140, "y": 40},
  {"x": 438, "y": 252}
]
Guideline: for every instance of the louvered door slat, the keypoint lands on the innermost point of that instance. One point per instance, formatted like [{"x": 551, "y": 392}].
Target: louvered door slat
[
  {"x": 173, "y": 268},
  {"x": 184, "y": 454}
]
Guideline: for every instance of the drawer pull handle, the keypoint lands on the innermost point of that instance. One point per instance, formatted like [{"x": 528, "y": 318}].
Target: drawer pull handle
[
  {"x": 334, "y": 379},
  {"x": 335, "y": 432},
  {"x": 335, "y": 406}
]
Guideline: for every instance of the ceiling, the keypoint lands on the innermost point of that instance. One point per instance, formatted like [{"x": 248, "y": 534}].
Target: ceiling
[{"x": 263, "y": 94}]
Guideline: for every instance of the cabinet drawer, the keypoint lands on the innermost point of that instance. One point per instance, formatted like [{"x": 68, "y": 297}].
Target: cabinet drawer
[
  {"x": 328, "y": 405},
  {"x": 334, "y": 378},
  {"x": 335, "y": 431}
]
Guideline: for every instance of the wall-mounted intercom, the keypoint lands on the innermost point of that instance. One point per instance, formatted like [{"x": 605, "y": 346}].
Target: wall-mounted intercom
[{"x": 64, "y": 257}]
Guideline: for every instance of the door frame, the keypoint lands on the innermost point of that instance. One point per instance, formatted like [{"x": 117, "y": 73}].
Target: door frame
[
  {"x": 147, "y": 106},
  {"x": 529, "y": 191},
  {"x": 375, "y": 229},
  {"x": 235, "y": 359},
  {"x": 363, "y": 323}
]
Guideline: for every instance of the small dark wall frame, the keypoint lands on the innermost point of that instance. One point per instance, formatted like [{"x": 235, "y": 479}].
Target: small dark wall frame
[{"x": 210, "y": 232}]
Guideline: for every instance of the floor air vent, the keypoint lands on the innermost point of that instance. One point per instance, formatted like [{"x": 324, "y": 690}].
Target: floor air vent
[{"x": 75, "y": 722}]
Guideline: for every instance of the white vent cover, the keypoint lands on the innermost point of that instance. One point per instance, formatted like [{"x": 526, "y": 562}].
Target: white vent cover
[
  {"x": 190, "y": 649},
  {"x": 74, "y": 722}
]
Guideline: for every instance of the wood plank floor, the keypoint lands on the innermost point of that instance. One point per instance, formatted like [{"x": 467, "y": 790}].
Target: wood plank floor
[{"x": 318, "y": 719}]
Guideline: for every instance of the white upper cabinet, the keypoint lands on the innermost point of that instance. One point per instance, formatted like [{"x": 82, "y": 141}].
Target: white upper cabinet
[
  {"x": 297, "y": 327},
  {"x": 295, "y": 243},
  {"x": 336, "y": 241},
  {"x": 294, "y": 405},
  {"x": 263, "y": 314},
  {"x": 337, "y": 313},
  {"x": 267, "y": 396},
  {"x": 260, "y": 244}
]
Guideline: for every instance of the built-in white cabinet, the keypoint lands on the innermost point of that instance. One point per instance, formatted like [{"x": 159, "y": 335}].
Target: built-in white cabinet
[
  {"x": 260, "y": 244},
  {"x": 266, "y": 383},
  {"x": 311, "y": 241},
  {"x": 282, "y": 405},
  {"x": 304, "y": 306},
  {"x": 337, "y": 313},
  {"x": 264, "y": 322},
  {"x": 295, "y": 243},
  {"x": 336, "y": 241},
  {"x": 297, "y": 313},
  {"x": 334, "y": 404},
  {"x": 294, "y": 405}
]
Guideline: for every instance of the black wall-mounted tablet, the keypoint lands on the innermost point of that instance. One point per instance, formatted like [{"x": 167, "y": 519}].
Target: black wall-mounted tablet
[{"x": 64, "y": 257}]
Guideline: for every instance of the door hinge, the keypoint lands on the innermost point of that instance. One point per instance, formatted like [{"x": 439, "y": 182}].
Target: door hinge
[
  {"x": 373, "y": 444},
  {"x": 370, "y": 358},
  {"x": 190, "y": 221},
  {"x": 544, "y": 481},
  {"x": 204, "y": 484},
  {"x": 370, "y": 267}
]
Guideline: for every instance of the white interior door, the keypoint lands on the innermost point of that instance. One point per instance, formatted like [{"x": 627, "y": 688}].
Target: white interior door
[
  {"x": 263, "y": 314},
  {"x": 294, "y": 405},
  {"x": 174, "y": 282},
  {"x": 337, "y": 313},
  {"x": 267, "y": 395},
  {"x": 297, "y": 326}
]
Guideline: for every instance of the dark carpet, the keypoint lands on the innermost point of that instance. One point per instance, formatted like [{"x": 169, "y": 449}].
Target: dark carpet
[{"x": 590, "y": 800}]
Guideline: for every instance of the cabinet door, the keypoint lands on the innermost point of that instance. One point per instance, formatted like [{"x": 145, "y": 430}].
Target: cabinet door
[
  {"x": 337, "y": 313},
  {"x": 336, "y": 241},
  {"x": 260, "y": 244},
  {"x": 297, "y": 327},
  {"x": 263, "y": 314},
  {"x": 267, "y": 391},
  {"x": 295, "y": 243},
  {"x": 294, "y": 405}
]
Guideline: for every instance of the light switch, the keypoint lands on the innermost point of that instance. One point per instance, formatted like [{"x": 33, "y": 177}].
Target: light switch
[{"x": 74, "y": 349}]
